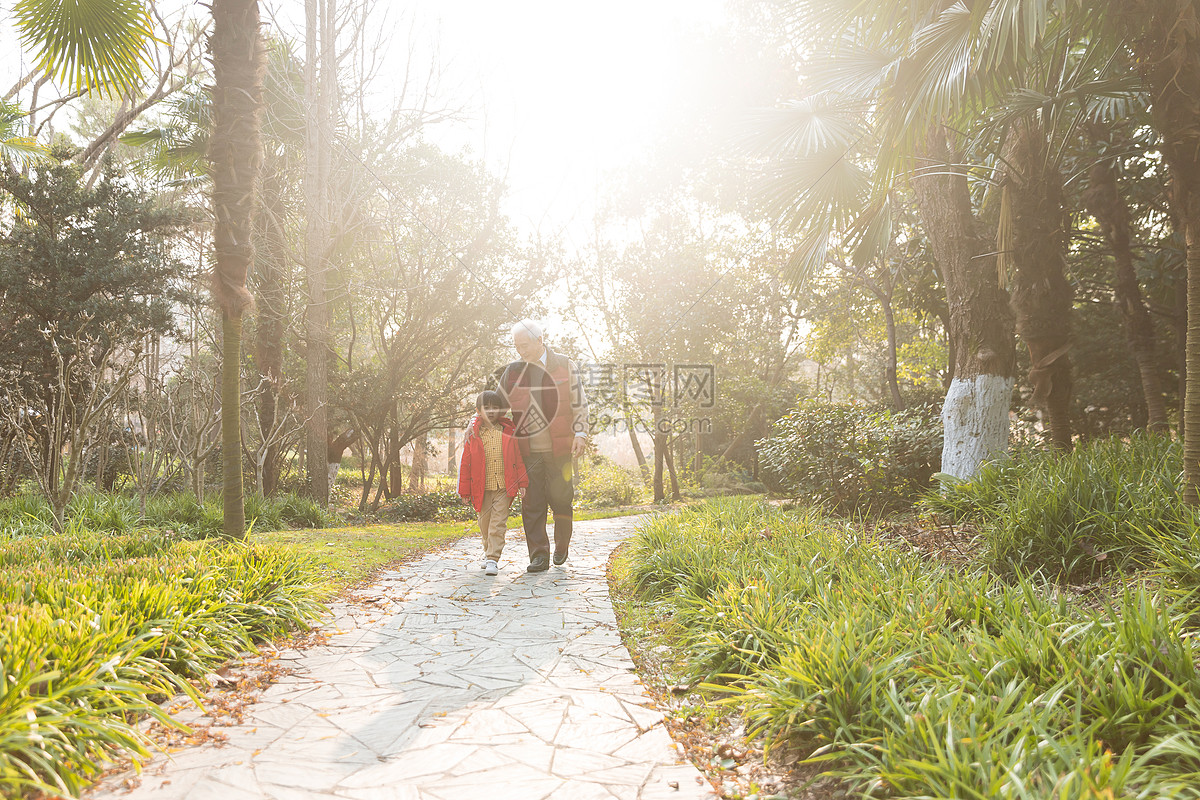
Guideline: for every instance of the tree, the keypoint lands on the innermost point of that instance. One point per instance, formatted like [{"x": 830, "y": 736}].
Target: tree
[
  {"x": 1107, "y": 204},
  {"x": 320, "y": 83},
  {"x": 86, "y": 274},
  {"x": 235, "y": 156},
  {"x": 1165, "y": 36},
  {"x": 55, "y": 421},
  {"x": 937, "y": 90}
]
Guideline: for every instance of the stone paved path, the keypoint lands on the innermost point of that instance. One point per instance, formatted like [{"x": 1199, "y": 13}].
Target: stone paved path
[{"x": 451, "y": 685}]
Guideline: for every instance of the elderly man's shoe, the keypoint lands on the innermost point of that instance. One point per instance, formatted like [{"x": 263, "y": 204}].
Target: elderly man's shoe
[
  {"x": 538, "y": 564},
  {"x": 560, "y": 558}
]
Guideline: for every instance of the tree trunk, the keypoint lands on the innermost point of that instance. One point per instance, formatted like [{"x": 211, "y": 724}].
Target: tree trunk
[
  {"x": 1041, "y": 295},
  {"x": 1106, "y": 203},
  {"x": 951, "y": 355},
  {"x": 889, "y": 320},
  {"x": 416, "y": 474},
  {"x": 232, "y": 495},
  {"x": 393, "y": 466},
  {"x": 451, "y": 453},
  {"x": 643, "y": 467},
  {"x": 235, "y": 156},
  {"x": 373, "y": 446},
  {"x": 1168, "y": 50},
  {"x": 975, "y": 412},
  {"x": 660, "y": 443},
  {"x": 1179, "y": 325},
  {"x": 270, "y": 268},
  {"x": 670, "y": 459},
  {"x": 316, "y": 151},
  {"x": 1191, "y": 408}
]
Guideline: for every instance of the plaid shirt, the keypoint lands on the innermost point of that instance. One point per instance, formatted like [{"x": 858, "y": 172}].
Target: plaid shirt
[{"x": 493, "y": 458}]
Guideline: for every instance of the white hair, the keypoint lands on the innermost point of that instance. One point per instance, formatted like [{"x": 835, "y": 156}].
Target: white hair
[{"x": 527, "y": 325}]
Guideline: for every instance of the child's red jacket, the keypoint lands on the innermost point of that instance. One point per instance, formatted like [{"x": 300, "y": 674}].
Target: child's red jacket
[{"x": 471, "y": 469}]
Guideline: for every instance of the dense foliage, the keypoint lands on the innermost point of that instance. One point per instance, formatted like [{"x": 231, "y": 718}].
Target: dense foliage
[
  {"x": 442, "y": 506},
  {"x": 853, "y": 456},
  {"x": 909, "y": 679},
  {"x": 94, "y": 259}
]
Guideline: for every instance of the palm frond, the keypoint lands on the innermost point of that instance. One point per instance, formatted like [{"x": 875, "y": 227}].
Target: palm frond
[
  {"x": 14, "y": 146},
  {"x": 852, "y": 71},
  {"x": 870, "y": 235},
  {"x": 22, "y": 150},
  {"x": 803, "y": 128},
  {"x": 827, "y": 188},
  {"x": 809, "y": 256},
  {"x": 95, "y": 45},
  {"x": 176, "y": 151}
]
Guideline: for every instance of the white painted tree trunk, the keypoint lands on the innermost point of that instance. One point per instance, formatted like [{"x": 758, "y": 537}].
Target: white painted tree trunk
[
  {"x": 975, "y": 421},
  {"x": 333, "y": 471}
]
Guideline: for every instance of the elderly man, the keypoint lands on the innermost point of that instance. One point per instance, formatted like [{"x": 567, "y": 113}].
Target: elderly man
[{"x": 551, "y": 416}]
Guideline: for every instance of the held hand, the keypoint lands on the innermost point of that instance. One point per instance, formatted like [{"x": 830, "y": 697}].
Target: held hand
[
  {"x": 578, "y": 446},
  {"x": 471, "y": 433},
  {"x": 521, "y": 493}
]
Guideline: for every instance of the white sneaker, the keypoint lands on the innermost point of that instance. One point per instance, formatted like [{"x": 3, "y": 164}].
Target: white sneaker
[{"x": 490, "y": 568}]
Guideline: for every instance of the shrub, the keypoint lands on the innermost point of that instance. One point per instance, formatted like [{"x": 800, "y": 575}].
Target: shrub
[
  {"x": 440, "y": 506},
  {"x": 602, "y": 483},
  {"x": 852, "y": 456},
  {"x": 721, "y": 477}
]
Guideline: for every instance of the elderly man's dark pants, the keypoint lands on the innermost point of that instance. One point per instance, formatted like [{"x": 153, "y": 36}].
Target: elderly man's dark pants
[{"x": 550, "y": 484}]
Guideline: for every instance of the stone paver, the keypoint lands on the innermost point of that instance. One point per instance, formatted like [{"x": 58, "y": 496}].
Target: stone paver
[{"x": 452, "y": 685}]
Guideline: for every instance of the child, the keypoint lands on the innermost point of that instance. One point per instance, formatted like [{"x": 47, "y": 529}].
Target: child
[{"x": 491, "y": 473}]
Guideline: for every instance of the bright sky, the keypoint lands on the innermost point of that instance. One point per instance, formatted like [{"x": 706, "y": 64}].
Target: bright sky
[{"x": 558, "y": 93}]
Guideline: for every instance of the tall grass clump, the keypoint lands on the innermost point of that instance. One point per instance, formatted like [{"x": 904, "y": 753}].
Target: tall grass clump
[
  {"x": 1106, "y": 505},
  {"x": 905, "y": 678},
  {"x": 100, "y": 627}
]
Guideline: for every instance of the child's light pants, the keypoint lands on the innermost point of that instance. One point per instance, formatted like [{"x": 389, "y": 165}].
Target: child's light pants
[{"x": 493, "y": 521}]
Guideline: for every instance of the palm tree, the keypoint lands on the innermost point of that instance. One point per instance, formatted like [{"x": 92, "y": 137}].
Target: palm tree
[
  {"x": 1165, "y": 36},
  {"x": 235, "y": 156},
  {"x": 933, "y": 86},
  {"x": 177, "y": 151}
]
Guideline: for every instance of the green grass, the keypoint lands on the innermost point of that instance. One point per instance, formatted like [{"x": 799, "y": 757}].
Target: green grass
[
  {"x": 99, "y": 627},
  {"x": 341, "y": 557},
  {"x": 1109, "y": 505},
  {"x": 180, "y": 513},
  {"x": 905, "y": 678}
]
